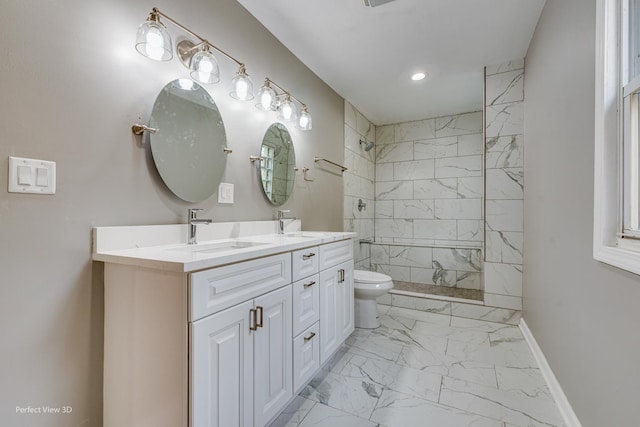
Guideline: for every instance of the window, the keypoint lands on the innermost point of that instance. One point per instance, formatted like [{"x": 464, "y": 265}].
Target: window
[
  {"x": 266, "y": 169},
  {"x": 616, "y": 234}
]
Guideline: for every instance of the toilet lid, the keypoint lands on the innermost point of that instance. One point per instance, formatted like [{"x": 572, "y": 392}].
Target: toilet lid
[{"x": 370, "y": 276}]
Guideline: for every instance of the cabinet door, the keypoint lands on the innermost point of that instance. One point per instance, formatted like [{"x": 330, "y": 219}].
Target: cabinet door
[
  {"x": 222, "y": 369},
  {"x": 306, "y": 356},
  {"x": 345, "y": 303},
  {"x": 306, "y": 303},
  {"x": 329, "y": 312},
  {"x": 273, "y": 365}
]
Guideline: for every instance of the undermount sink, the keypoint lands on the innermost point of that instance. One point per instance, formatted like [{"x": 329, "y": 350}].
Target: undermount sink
[{"x": 208, "y": 248}]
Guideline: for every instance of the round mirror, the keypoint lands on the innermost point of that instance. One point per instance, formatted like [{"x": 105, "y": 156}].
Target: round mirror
[
  {"x": 188, "y": 146},
  {"x": 277, "y": 166}
]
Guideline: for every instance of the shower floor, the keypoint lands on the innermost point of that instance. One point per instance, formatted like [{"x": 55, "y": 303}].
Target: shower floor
[{"x": 472, "y": 294}]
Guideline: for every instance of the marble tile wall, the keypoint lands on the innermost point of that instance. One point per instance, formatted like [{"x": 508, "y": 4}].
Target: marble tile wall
[
  {"x": 359, "y": 182},
  {"x": 429, "y": 192},
  {"x": 504, "y": 184}
]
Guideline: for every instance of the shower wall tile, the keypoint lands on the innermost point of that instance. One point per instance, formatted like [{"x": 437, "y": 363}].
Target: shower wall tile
[
  {"x": 504, "y": 215},
  {"x": 470, "y": 230},
  {"x": 453, "y": 167},
  {"x": 397, "y": 273},
  {"x": 468, "y": 280},
  {"x": 413, "y": 131},
  {"x": 458, "y": 259},
  {"x": 384, "y": 209},
  {"x": 434, "y": 229},
  {"x": 410, "y": 256},
  {"x": 394, "y": 190},
  {"x": 351, "y": 139},
  {"x": 458, "y": 209},
  {"x": 505, "y": 119},
  {"x": 385, "y": 135},
  {"x": 435, "y": 148},
  {"x": 503, "y": 279},
  {"x": 504, "y": 247},
  {"x": 364, "y": 127},
  {"x": 505, "y": 87},
  {"x": 517, "y": 64},
  {"x": 460, "y": 124},
  {"x": 380, "y": 254},
  {"x": 398, "y": 152},
  {"x": 394, "y": 228},
  {"x": 469, "y": 145},
  {"x": 505, "y": 152},
  {"x": 446, "y": 188},
  {"x": 413, "y": 209},
  {"x": 415, "y": 169},
  {"x": 471, "y": 187},
  {"x": 422, "y": 275},
  {"x": 505, "y": 184},
  {"x": 503, "y": 301},
  {"x": 350, "y": 115},
  {"x": 384, "y": 172}
]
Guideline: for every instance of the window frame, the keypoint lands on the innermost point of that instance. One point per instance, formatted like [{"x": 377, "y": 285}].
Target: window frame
[{"x": 609, "y": 204}]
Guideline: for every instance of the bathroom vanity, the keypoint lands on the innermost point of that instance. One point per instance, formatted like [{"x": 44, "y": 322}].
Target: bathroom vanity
[{"x": 222, "y": 333}]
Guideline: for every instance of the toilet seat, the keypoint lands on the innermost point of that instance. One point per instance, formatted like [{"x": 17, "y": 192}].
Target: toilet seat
[{"x": 363, "y": 276}]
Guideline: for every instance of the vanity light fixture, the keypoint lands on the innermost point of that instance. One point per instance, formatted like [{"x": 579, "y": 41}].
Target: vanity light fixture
[
  {"x": 154, "y": 42},
  {"x": 270, "y": 100}
]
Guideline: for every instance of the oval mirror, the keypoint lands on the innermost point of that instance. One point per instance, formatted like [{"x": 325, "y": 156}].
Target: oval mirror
[
  {"x": 277, "y": 166},
  {"x": 188, "y": 146}
]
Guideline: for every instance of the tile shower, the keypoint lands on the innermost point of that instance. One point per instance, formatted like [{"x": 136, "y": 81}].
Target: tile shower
[{"x": 425, "y": 194}]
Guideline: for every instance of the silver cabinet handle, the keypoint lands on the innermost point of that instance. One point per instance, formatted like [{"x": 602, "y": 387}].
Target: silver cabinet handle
[
  {"x": 341, "y": 275},
  {"x": 308, "y": 285},
  {"x": 259, "y": 324},
  {"x": 313, "y": 334},
  {"x": 306, "y": 257},
  {"x": 254, "y": 319}
]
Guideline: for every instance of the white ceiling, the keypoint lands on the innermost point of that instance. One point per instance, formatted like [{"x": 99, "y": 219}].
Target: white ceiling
[{"x": 367, "y": 54}]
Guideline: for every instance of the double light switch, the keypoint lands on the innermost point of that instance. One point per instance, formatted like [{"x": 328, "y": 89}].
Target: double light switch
[{"x": 31, "y": 176}]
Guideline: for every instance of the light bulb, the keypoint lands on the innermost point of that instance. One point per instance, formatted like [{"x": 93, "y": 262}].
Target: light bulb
[
  {"x": 266, "y": 96},
  {"x": 287, "y": 111},
  {"x": 304, "y": 121},
  {"x": 204, "y": 67},
  {"x": 155, "y": 44},
  {"x": 153, "y": 40},
  {"x": 241, "y": 86},
  {"x": 242, "y": 89}
]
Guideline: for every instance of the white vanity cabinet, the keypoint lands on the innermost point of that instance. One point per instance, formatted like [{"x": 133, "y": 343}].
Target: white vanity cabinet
[
  {"x": 241, "y": 364},
  {"x": 221, "y": 345}
]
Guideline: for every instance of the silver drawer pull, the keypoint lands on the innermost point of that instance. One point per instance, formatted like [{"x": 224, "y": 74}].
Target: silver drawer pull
[
  {"x": 306, "y": 257},
  {"x": 313, "y": 334},
  {"x": 308, "y": 285}
]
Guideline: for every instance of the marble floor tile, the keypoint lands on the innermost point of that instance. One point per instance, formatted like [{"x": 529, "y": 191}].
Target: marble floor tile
[
  {"x": 441, "y": 319},
  {"x": 375, "y": 347},
  {"x": 450, "y": 332},
  {"x": 387, "y": 375},
  {"x": 294, "y": 413},
  {"x": 441, "y": 364},
  {"x": 382, "y": 309},
  {"x": 401, "y": 410},
  {"x": 481, "y": 325},
  {"x": 527, "y": 382},
  {"x": 499, "y": 355},
  {"x": 325, "y": 416},
  {"x": 420, "y": 341},
  {"x": 499, "y": 404},
  {"x": 352, "y": 395}
]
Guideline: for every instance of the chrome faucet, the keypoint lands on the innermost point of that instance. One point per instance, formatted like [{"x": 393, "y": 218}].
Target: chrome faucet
[
  {"x": 282, "y": 218},
  {"x": 193, "y": 221}
]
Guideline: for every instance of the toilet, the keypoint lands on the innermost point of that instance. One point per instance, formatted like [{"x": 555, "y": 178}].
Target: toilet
[{"x": 368, "y": 286}]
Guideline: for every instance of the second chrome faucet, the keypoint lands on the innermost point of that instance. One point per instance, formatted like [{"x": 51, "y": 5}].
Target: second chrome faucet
[
  {"x": 193, "y": 221},
  {"x": 282, "y": 219}
]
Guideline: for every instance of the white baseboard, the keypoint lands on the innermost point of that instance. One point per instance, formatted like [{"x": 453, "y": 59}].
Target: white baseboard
[{"x": 566, "y": 411}]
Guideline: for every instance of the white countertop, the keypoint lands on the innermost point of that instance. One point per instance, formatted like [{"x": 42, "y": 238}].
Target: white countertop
[{"x": 187, "y": 258}]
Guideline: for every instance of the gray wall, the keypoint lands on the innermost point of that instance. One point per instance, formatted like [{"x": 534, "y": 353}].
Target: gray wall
[
  {"x": 71, "y": 86},
  {"x": 583, "y": 314}
]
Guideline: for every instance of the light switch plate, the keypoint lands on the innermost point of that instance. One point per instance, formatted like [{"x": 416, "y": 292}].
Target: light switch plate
[
  {"x": 225, "y": 193},
  {"x": 41, "y": 176}
]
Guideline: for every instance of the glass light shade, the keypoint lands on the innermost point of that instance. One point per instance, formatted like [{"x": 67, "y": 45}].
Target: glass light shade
[
  {"x": 266, "y": 98},
  {"x": 153, "y": 41},
  {"x": 241, "y": 87},
  {"x": 304, "y": 121},
  {"x": 287, "y": 111},
  {"x": 204, "y": 67}
]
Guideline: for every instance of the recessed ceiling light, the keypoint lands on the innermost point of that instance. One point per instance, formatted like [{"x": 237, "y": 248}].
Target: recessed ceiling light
[{"x": 418, "y": 76}]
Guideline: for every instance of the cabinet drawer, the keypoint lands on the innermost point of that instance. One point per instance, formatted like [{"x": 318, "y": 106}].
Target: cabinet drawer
[
  {"x": 306, "y": 303},
  {"x": 305, "y": 263},
  {"x": 219, "y": 288},
  {"x": 335, "y": 253},
  {"x": 306, "y": 356}
]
